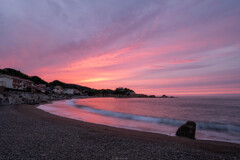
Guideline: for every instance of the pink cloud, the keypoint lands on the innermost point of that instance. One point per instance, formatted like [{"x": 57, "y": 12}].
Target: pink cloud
[{"x": 154, "y": 48}]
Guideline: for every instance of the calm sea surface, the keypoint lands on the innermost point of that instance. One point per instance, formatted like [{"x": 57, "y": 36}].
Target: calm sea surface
[{"x": 216, "y": 118}]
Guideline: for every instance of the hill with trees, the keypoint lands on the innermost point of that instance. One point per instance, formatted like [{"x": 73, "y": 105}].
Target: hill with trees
[
  {"x": 16, "y": 73},
  {"x": 119, "y": 92}
]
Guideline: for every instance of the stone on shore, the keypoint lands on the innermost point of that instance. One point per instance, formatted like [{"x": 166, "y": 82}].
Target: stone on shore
[
  {"x": 187, "y": 130},
  {"x": 20, "y": 97}
]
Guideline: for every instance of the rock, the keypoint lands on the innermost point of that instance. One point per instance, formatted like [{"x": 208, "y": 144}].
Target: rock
[
  {"x": 5, "y": 101},
  {"x": 11, "y": 100},
  {"x": 20, "y": 97},
  {"x": 1, "y": 99},
  {"x": 187, "y": 130},
  {"x": 18, "y": 100}
]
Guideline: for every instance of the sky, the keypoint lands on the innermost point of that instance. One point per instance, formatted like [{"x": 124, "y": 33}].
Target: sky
[{"x": 186, "y": 47}]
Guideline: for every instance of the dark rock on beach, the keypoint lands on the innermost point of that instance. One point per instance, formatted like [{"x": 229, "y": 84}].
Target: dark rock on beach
[{"x": 187, "y": 130}]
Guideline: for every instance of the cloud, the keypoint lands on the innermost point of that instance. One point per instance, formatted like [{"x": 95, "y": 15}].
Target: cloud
[{"x": 109, "y": 43}]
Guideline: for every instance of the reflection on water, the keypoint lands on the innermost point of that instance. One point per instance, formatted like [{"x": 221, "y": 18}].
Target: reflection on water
[{"x": 217, "y": 119}]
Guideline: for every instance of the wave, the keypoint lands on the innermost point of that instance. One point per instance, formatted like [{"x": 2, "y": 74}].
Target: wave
[{"x": 231, "y": 128}]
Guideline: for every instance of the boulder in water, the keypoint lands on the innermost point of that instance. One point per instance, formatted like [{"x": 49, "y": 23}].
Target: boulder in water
[{"x": 187, "y": 130}]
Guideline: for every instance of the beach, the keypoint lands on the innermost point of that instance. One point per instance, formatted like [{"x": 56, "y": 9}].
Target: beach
[{"x": 29, "y": 133}]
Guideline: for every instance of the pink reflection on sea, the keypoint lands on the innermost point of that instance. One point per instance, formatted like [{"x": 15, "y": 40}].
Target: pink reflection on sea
[
  {"x": 155, "y": 115},
  {"x": 63, "y": 109}
]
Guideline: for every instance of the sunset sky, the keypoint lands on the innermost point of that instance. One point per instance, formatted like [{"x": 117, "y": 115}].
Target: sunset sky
[{"x": 181, "y": 47}]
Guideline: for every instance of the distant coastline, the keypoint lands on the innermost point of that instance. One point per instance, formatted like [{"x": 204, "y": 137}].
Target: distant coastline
[{"x": 19, "y": 88}]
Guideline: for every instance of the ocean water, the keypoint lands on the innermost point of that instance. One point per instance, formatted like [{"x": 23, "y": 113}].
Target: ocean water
[{"x": 216, "y": 118}]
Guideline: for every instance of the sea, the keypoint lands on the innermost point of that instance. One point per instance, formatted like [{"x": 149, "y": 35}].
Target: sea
[{"x": 217, "y": 118}]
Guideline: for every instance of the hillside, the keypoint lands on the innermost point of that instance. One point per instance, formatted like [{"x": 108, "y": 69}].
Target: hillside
[
  {"x": 118, "y": 92},
  {"x": 16, "y": 73},
  {"x": 89, "y": 91},
  {"x": 38, "y": 80}
]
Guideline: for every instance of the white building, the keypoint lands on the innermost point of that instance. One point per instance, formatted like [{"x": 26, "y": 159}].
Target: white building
[
  {"x": 41, "y": 87},
  {"x": 14, "y": 82},
  {"x": 58, "y": 89},
  {"x": 70, "y": 91},
  {"x": 6, "y": 81}
]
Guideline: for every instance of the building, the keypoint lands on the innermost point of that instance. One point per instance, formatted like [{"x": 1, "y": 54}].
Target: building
[
  {"x": 76, "y": 91},
  {"x": 21, "y": 84},
  {"x": 70, "y": 91},
  {"x": 130, "y": 93},
  {"x": 58, "y": 90},
  {"x": 6, "y": 81},
  {"x": 15, "y": 82},
  {"x": 41, "y": 87}
]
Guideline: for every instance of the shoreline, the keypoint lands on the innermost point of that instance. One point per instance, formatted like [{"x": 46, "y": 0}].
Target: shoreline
[
  {"x": 132, "y": 129},
  {"x": 113, "y": 130},
  {"x": 56, "y": 137}
]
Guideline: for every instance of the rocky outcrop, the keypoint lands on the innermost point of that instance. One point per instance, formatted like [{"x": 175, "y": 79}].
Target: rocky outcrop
[
  {"x": 18, "y": 97},
  {"x": 187, "y": 130},
  {"x": 164, "y": 96}
]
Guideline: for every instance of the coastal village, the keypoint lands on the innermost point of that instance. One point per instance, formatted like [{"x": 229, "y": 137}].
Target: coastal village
[
  {"x": 19, "y": 88},
  {"x": 15, "y": 83}
]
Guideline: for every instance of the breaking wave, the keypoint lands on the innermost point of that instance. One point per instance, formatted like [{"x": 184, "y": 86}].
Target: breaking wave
[{"x": 231, "y": 128}]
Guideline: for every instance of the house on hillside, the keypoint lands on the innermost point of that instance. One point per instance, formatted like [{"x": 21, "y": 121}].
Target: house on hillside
[
  {"x": 70, "y": 91},
  {"x": 41, "y": 87},
  {"x": 6, "y": 81},
  {"x": 15, "y": 82},
  {"x": 58, "y": 90},
  {"x": 130, "y": 93},
  {"x": 83, "y": 93},
  {"x": 76, "y": 91},
  {"x": 21, "y": 84}
]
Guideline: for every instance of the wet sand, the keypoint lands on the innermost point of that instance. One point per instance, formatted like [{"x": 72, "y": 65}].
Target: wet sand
[{"x": 29, "y": 133}]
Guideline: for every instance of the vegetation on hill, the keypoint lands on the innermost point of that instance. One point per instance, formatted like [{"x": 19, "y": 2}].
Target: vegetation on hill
[
  {"x": 58, "y": 83},
  {"x": 16, "y": 73},
  {"x": 66, "y": 85},
  {"x": 38, "y": 80},
  {"x": 123, "y": 91},
  {"x": 13, "y": 72}
]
